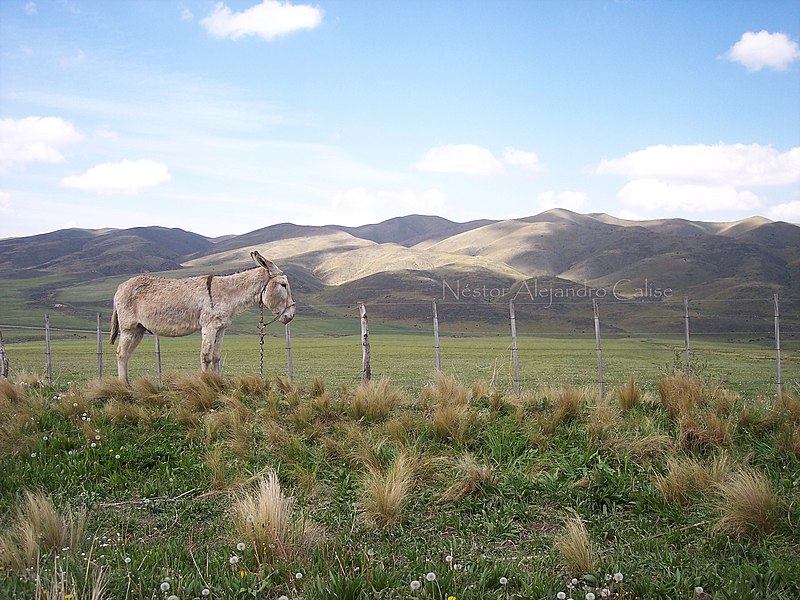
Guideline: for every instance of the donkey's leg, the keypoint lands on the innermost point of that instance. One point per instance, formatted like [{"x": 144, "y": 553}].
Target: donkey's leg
[
  {"x": 209, "y": 338},
  {"x": 128, "y": 340},
  {"x": 216, "y": 361}
]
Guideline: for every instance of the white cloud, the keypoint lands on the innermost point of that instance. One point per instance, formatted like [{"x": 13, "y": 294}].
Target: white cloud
[
  {"x": 574, "y": 201},
  {"x": 34, "y": 139},
  {"x": 269, "y": 19},
  {"x": 761, "y": 50},
  {"x": 125, "y": 177},
  {"x": 460, "y": 158},
  {"x": 519, "y": 158},
  {"x": 653, "y": 196},
  {"x": 788, "y": 211},
  {"x": 718, "y": 165}
]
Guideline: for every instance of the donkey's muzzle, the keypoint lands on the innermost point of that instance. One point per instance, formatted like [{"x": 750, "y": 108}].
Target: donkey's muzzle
[{"x": 287, "y": 315}]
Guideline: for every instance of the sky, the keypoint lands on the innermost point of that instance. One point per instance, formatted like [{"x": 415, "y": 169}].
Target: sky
[{"x": 224, "y": 117}]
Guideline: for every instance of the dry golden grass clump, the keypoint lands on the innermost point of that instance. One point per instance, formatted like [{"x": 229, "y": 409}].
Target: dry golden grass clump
[
  {"x": 375, "y": 401},
  {"x": 471, "y": 478},
  {"x": 680, "y": 394},
  {"x": 604, "y": 419},
  {"x": 629, "y": 395},
  {"x": 10, "y": 393},
  {"x": 747, "y": 503},
  {"x": 687, "y": 476},
  {"x": 17, "y": 420},
  {"x": 38, "y": 528},
  {"x": 111, "y": 388},
  {"x": 444, "y": 389},
  {"x": 386, "y": 491},
  {"x": 575, "y": 548},
  {"x": 568, "y": 406},
  {"x": 120, "y": 411},
  {"x": 231, "y": 424},
  {"x": 267, "y": 518}
]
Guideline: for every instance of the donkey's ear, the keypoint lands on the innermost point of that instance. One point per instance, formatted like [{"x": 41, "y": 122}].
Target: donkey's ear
[{"x": 270, "y": 266}]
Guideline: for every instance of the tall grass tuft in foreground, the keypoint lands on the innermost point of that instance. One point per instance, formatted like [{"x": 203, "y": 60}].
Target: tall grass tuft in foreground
[
  {"x": 687, "y": 476},
  {"x": 38, "y": 528},
  {"x": 386, "y": 491},
  {"x": 680, "y": 394},
  {"x": 375, "y": 401},
  {"x": 267, "y": 518},
  {"x": 747, "y": 503},
  {"x": 569, "y": 403},
  {"x": 575, "y": 548},
  {"x": 629, "y": 395},
  {"x": 471, "y": 478}
]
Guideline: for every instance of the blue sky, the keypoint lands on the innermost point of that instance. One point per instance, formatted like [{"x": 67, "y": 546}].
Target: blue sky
[{"x": 224, "y": 117}]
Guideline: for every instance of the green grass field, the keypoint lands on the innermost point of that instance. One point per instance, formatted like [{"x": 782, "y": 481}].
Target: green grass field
[
  {"x": 454, "y": 476},
  {"x": 408, "y": 359}
]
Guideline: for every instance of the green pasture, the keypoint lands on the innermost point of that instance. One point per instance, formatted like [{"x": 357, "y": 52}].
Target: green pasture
[{"x": 408, "y": 359}]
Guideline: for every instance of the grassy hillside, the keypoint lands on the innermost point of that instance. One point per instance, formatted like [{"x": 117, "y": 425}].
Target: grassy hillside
[{"x": 399, "y": 263}]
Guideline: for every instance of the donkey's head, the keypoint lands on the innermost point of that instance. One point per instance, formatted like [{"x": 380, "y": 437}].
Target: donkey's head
[{"x": 276, "y": 295}]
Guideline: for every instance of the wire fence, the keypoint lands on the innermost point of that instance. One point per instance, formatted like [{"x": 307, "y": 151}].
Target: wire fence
[{"x": 745, "y": 345}]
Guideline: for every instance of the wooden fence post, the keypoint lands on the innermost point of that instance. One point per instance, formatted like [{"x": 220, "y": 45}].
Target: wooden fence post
[
  {"x": 436, "y": 338},
  {"x": 3, "y": 359},
  {"x": 99, "y": 348},
  {"x": 47, "y": 354},
  {"x": 514, "y": 354},
  {"x": 158, "y": 360},
  {"x": 686, "y": 352},
  {"x": 779, "y": 384},
  {"x": 601, "y": 384},
  {"x": 366, "y": 369},
  {"x": 289, "y": 368}
]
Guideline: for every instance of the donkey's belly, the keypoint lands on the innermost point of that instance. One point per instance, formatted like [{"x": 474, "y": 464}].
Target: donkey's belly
[{"x": 170, "y": 323}]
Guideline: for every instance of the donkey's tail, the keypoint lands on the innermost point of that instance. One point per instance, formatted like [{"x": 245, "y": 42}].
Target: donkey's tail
[{"x": 114, "y": 326}]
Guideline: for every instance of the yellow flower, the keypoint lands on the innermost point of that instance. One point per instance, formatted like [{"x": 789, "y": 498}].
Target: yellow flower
[
  {"x": 451, "y": 598},
  {"x": 242, "y": 573}
]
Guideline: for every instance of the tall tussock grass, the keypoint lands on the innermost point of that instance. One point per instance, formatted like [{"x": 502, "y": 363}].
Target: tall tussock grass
[
  {"x": 568, "y": 405},
  {"x": 268, "y": 519},
  {"x": 471, "y": 478},
  {"x": 38, "y": 528},
  {"x": 680, "y": 394},
  {"x": 575, "y": 548},
  {"x": 687, "y": 477},
  {"x": 386, "y": 491},
  {"x": 747, "y": 503},
  {"x": 375, "y": 401}
]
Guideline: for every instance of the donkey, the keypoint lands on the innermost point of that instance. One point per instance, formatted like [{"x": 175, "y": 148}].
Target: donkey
[{"x": 178, "y": 307}]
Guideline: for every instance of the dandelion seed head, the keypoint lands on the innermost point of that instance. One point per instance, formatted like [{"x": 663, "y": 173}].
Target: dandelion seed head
[
  {"x": 207, "y": 592},
  {"x": 240, "y": 546},
  {"x": 561, "y": 596},
  {"x": 233, "y": 560},
  {"x": 448, "y": 558},
  {"x": 589, "y": 595},
  {"x": 173, "y": 597},
  {"x": 431, "y": 576},
  {"x": 127, "y": 560},
  {"x": 698, "y": 590},
  {"x": 164, "y": 586},
  {"x": 618, "y": 577},
  {"x": 415, "y": 585},
  {"x": 503, "y": 581},
  {"x": 298, "y": 575},
  {"x": 283, "y": 598}
]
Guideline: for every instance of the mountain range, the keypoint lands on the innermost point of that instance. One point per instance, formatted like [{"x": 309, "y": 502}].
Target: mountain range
[{"x": 420, "y": 258}]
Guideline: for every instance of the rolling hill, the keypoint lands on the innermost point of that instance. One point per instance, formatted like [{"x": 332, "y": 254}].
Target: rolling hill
[{"x": 420, "y": 258}]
